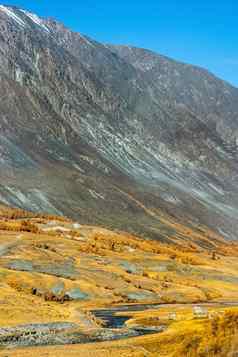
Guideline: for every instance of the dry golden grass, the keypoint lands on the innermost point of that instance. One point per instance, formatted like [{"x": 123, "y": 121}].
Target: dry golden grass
[
  {"x": 92, "y": 350},
  {"x": 109, "y": 266}
]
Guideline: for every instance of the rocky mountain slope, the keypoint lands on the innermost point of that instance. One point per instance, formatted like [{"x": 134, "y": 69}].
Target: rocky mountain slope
[{"x": 113, "y": 135}]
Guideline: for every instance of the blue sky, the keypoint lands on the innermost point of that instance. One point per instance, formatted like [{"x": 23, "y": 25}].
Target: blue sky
[{"x": 199, "y": 32}]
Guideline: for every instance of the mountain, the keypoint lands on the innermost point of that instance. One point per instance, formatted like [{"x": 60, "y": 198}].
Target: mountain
[{"x": 113, "y": 135}]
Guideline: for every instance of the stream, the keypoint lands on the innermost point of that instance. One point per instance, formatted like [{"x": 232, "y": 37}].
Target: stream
[
  {"x": 59, "y": 333},
  {"x": 65, "y": 333},
  {"x": 112, "y": 318}
]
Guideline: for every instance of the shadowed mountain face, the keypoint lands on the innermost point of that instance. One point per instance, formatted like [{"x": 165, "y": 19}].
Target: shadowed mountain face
[{"x": 113, "y": 135}]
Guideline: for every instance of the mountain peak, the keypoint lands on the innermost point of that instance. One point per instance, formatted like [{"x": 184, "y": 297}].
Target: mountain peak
[{"x": 23, "y": 18}]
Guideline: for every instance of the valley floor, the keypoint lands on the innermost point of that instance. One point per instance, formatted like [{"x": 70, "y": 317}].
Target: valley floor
[{"x": 75, "y": 290}]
